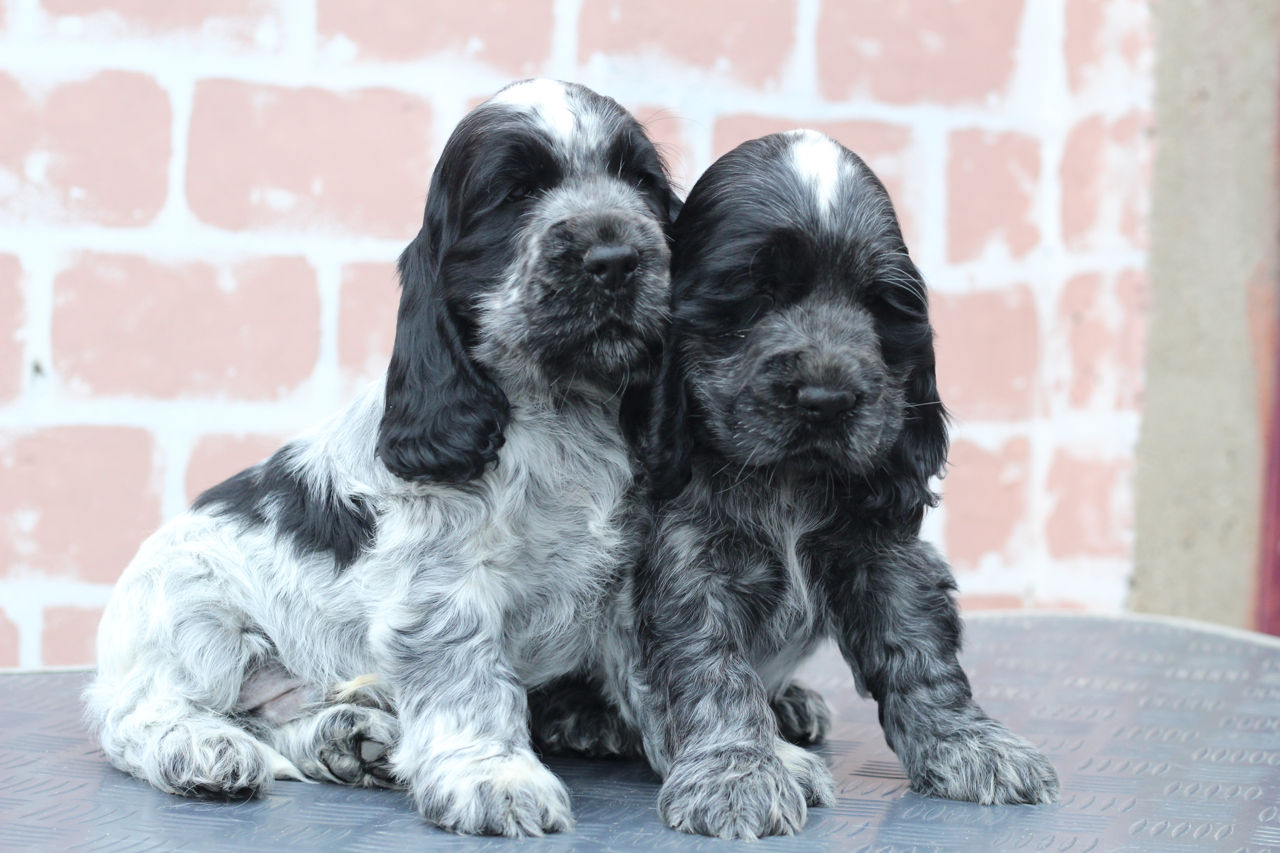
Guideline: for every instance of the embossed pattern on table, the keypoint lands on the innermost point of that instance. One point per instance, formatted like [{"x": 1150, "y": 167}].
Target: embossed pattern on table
[{"x": 1167, "y": 738}]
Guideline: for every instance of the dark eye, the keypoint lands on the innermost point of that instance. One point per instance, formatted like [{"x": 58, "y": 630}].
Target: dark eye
[
  {"x": 520, "y": 192},
  {"x": 642, "y": 180}
]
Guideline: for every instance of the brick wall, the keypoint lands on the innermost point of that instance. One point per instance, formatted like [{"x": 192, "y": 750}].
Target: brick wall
[{"x": 200, "y": 204}]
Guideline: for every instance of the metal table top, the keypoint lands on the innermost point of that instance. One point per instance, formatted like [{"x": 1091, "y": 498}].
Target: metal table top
[{"x": 1166, "y": 736}]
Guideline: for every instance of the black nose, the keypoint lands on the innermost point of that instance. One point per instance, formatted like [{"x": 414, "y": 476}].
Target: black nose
[
  {"x": 611, "y": 263},
  {"x": 825, "y": 403}
]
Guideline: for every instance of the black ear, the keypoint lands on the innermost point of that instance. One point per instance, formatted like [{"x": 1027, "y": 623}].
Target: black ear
[
  {"x": 921, "y": 449},
  {"x": 920, "y": 452},
  {"x": 674, "y": 205},
  {"x": 444, "y": 416},
  {"x": 668, "y": 442}
]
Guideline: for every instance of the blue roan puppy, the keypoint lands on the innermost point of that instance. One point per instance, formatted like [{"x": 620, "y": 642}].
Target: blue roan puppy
[
  {"x": 796, "y": 429},
  {"x": 458, "y": 530}
]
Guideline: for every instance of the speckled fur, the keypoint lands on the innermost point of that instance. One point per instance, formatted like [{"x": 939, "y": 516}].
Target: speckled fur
[
  {"x": 785, "y": 523},
  {"x": 451, "y": 539}
]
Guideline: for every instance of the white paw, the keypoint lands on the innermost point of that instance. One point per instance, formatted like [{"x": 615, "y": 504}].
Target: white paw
[
  {"x": 216, "y": 761},
  {"x": 350, "y": 745},
  {"x": 508, "y": 794}
]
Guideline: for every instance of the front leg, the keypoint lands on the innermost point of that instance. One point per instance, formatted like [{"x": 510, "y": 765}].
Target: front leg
[
  {"x": 710, "y": 728},
  {"x": 464, "y": 749},
  {"x": 897, "y": 625}
]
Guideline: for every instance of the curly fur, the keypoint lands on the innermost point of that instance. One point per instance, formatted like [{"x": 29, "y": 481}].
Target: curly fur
[
  {"x": 797, "y": 425},
  {"x": 456, "y": 531}
]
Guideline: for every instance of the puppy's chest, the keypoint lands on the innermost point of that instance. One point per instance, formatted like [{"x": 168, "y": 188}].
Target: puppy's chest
[
  {"x": 559, "y": 496},
  {"x": 569, "y": 527},
  {"x": 776, "y": 538}
]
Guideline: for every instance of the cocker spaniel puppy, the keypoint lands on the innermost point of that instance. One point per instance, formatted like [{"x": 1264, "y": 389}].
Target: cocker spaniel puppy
[
  {"x": 798, "y": 425},
  {"x": 456, "y": 531}
]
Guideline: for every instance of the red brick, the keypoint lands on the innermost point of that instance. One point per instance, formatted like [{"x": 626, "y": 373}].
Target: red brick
[
  {"x": 217, "y": 457},
  {"x": 917, "y": 51},
  {"x": 1104, "y": 326},
  {"x": 267, "y": 156},
  {"x": 513, "y": 35},
  {"x": 1105, "y": 39},
  {"x": 991, "y": 193},
  {"x": 12, "y": 320},
  {"x": 987, "y": 499},
  {"x": 988, "y": 349},
  {"x": 1106, "y": 176},
  {"x": 752, "y": 47},
  {"x": 73, "y": 157},
  {"x": 1092, "y": 515},
  {"x": 128, "y": 325},
  {"x": 238, "y": 22},
  {"x": 20, "y": 131},
  {"x": 884, "y": 147},
  {"x": 70, "y": 636},
  {"x": 10, "y": 642},
  {"x": 76, "y": 501},
  {"x": 367, "y": 308}
]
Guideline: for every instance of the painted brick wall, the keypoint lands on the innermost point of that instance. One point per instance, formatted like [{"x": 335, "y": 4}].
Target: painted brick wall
[{"x": 200, "y": 204}]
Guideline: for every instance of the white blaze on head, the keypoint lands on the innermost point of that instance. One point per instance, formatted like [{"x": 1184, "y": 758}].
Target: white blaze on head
[
  {"x": 818, "y": 160},
  {"x": 546, "y": 98}
]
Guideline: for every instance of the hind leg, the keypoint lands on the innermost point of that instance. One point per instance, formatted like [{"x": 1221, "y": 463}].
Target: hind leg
[
  {"x": 184, "y": 750},
  {"x": 570, "y": 716},
  {"x": 344, "y": 743},
  {"x": 172, "y": 656},
  {"x": 804, "y": 717}
]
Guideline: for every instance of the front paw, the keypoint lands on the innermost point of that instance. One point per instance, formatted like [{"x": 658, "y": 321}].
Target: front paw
[
  {"x": 734, "y": 792},
  {"x": 985, "y": 763},
  {"x": 510, "y": 794}
]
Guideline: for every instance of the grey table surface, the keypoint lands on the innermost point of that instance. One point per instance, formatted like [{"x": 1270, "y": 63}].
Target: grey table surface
[{"x": 1166, "y": 736}]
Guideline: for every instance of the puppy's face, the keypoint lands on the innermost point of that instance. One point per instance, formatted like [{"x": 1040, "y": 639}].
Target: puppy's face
[
  {"x": 801, "y": 322},
  {"x": 558, "y": 208}
]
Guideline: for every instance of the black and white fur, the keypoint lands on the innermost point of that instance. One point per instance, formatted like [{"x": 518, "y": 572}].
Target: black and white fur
[
  {"x": 796, "y": 429},
  {"x": 456, "y": 531}
]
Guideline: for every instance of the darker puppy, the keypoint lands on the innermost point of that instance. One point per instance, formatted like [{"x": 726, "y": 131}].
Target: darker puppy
[{"x": 796, "y": 430}]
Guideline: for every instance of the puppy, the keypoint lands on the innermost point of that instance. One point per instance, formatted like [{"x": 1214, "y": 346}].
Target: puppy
[
  {"x": 797, "y": 424},
  {"x": 455, "y": 531}
]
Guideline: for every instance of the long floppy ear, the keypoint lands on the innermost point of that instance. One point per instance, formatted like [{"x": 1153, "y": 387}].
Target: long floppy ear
[
  {"x": 668, "y": 443},
  {"x": 637, "y": 410},
  {"x": 444, "y": 416},
  {"x": 920, "y": 452}
]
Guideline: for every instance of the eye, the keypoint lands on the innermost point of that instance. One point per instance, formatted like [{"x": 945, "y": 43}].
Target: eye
[
  {"x": 642, "y": 179},
  {"x": 519, "y": 193}
]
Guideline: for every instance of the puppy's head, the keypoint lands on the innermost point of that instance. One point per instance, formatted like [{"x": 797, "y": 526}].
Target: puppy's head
[
  {"x": 800, "y": 334},
  {"x": 542, "y": 260}
]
